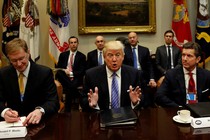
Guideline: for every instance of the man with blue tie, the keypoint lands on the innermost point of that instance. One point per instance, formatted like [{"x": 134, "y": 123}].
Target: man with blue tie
[
  {"x": 138, "y": 57},
  {"x": 95, "y": 57},
  {"x": 112, "y": 85}
]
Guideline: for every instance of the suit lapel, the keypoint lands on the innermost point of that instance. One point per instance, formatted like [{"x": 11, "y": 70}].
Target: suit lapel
[
  {"x": 104, "y": 86},
  {"x": 180, "y": 79},
  {"x": 15, "y": 88},
  {"x": 199, "y": 81},
  {"x": 96, "y": 57},
  {"x": 139, "y": 53}
]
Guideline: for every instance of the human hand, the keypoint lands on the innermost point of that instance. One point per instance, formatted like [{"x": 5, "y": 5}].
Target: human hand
[
  {"x": 33, "y": 118},
  {"x": 93, "y": 97},
  {"x": 67, "y": 71},
  {"x": 135, "y": 94},
  {"x": 152, "y": 83},
  {"x": 11, "y": 116}
]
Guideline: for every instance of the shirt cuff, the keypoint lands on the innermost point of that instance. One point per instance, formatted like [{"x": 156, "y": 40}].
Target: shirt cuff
[
  {"x": 133, "y": 106},
  {"x": 3, "y": 112},
  {"x": 41, "y": 109}
]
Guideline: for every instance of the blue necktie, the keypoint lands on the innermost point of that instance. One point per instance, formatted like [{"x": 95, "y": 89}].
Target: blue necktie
[
  {"x": 100, "y": 58},
  {"x": 115, "y": 92},
  {"x": 134, "y": 58}
]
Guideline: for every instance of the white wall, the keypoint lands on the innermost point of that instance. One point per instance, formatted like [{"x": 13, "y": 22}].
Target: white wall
[{"x": 164, "y": 10}]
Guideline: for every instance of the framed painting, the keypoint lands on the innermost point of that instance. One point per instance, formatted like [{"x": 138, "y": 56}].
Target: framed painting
[{"x": 114, "y": 16}]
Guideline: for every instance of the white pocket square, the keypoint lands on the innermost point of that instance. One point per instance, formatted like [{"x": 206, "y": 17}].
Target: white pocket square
[{"x": 205, "y": 90}]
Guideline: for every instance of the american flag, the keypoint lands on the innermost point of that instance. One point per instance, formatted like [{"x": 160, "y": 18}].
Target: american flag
[
  {"x": 6, "y": 21},
  {"x": 29, "y": 20}
]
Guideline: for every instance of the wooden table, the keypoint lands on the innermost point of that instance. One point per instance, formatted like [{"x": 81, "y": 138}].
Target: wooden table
[{"x": 153, "y": 124}]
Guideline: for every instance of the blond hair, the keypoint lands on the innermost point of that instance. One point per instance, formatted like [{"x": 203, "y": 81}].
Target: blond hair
[{"x": 15, "y": 45}]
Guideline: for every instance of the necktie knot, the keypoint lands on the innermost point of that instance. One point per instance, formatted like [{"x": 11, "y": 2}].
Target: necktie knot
[{"x": 190, "y": 73}]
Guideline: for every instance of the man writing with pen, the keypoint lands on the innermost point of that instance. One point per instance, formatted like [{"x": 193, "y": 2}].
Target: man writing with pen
[
  {"x": 113, "y": 84},
  {"x": 26, "y": 88}
]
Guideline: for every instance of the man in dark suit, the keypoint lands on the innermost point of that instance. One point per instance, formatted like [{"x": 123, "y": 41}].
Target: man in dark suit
[
  {"x": 162, "y": 54},
  {"x": 73, "y": 63},
  {"x": 95, "y": 57},
  {"x": 174, "y": 91},
  {"x": 143, "y": 62},
  {"x": 143, "y": 59},
  {"x": 98, "y": 89},
  {"x": 37, "y": 97}
]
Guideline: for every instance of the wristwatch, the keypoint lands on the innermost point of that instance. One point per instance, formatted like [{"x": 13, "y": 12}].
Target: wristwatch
[{"x": 40, "y": 109}]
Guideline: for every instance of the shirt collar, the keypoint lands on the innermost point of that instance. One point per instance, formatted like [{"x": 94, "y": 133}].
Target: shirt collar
[
  {"x": 168, "y": 45},
  {"x": 73, "y": 52},
  {"x": 187, "y": 72},
  {"x": 134, "y": 46},
  {"x": 109, "y": 72}
]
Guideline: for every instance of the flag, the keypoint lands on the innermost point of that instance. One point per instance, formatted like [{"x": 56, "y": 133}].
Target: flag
[
  {"x": 29, "y": 27},
  {"x": 202, "y": 36},
  {"x": 181, "y": 24},
  {"x": 10, "y": 20},
  {"x": 58, "y": 27}
]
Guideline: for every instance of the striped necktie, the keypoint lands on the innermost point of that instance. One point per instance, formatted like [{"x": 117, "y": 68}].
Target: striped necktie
[
  {"x": 100, "y": 59},
  {"x": 134, "y": 58},
  {"x": 115, "y": 92}
]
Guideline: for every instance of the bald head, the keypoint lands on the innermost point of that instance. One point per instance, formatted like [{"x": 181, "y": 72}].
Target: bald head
[
  {"x": 100, "y": 42},
  {"x": 133, "y": 38}
]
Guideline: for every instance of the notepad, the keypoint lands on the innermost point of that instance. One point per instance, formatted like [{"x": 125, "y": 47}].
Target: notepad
[
  {"x": 4, "y": 124},
  {"x": 13, "y": 130},
  {"x": 115, "y": 117}
]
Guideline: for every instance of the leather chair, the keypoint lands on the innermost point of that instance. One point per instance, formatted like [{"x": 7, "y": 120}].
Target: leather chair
[{"x": 60, "y": 95}]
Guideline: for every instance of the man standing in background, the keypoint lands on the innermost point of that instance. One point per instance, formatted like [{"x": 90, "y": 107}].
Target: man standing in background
[
  {"x": 73, "y": 63},
  {"x": 95, "y": 57}
]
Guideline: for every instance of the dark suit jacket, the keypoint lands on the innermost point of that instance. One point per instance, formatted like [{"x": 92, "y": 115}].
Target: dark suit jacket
[
  {"x": 92, "y": 59},
  {"x": 98, "y": 77},
  {"x": 162, "y": 61},
  {"x": 144, "y": 60},
  {"x": 79, "y": 67},
  {"x": 40, "y": 90},
  {"x": 172, "y": 91}
]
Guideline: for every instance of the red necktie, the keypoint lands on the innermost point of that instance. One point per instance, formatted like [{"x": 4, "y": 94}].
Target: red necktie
[
  {"x": 191, "y": 89},
  {"x": 71, "y": 62},
  {"x": 191, "y": 86}
]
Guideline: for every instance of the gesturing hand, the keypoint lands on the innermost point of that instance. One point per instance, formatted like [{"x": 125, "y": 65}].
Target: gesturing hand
[
  {"x": 135, "y": 94},
  {"x": 93, "y": 97}
]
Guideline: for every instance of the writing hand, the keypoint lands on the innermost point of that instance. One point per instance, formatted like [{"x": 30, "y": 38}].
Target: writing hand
[
  {"x": 93, "y": 97},
  {"x": 11, "y": 116}
]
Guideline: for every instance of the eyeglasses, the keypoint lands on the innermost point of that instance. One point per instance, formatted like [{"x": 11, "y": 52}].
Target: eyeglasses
[{"x": 21, "y": 59}]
